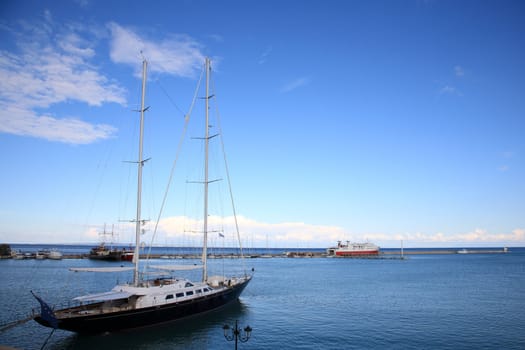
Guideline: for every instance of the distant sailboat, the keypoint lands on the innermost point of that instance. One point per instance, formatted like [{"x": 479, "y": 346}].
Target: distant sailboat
[
  {"x": 146, "y": 302},
  {"x": 103, "y": 252}
]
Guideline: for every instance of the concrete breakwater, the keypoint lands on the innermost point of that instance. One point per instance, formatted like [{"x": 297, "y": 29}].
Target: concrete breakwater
[{"x": 398, "y": 253}]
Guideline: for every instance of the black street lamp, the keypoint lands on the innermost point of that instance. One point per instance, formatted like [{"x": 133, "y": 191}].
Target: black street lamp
[{"x": 236, "y": 333}]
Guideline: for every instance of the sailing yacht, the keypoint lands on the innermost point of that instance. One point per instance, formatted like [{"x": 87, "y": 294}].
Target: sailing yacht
[{"x": 146, "y": 302}]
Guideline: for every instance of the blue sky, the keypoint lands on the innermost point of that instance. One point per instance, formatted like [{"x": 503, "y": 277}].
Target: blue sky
[{"x": 342, "y": 120}]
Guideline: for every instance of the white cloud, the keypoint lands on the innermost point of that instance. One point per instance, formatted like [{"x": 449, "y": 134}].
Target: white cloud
[
  {"x": 507, "y": 157},
  {"x": 450, "y": 90},
  {"x": 82, "y": 3},
  {"x": 53, "y": 65},
  {"x": 178, "y": 55},
  {"x": 74, "y": 44},
  {"x": 257, "y": 233},
  {"x": 181, "y": 230},
  {"x": 264, "y": 56},
  {"x": 67, "y": 130},
  {"x": 50, "y": 67},
  {"x": 507, "y": 154},
  {"x": 297, "y": 83},
  {"x": 217, "y": 38},
  {"x": 459, "y": 71},
  {"x": 480, "y": 235},
  {"x": 475, "y": 237},
  {"x": 184, "y": 231}
]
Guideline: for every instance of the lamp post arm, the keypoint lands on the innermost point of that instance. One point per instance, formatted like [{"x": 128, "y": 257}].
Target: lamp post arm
[{"x": 237, "y": 333}]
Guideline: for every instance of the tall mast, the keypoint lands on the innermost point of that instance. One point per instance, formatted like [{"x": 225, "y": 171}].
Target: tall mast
[
  {"x": 206, "y": 183},
  {"x": 140, "y": 163}
]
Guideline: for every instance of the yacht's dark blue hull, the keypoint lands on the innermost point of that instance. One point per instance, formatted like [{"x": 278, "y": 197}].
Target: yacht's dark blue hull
[{"x": 128, "y": 319}]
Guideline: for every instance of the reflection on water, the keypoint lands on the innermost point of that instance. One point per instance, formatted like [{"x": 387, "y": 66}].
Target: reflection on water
[{"x": 205, "y": 330}]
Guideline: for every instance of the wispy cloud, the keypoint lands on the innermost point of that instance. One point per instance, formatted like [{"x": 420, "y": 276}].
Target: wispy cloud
[
  {"x": 264, "y": 56},
  {"x": 474, "y": 237},
  {"x": 82, "y": 3},
  {"x": 178, "y": 55},
  {"x": 297, "y": 83},
  {"x": 507, "y": 158},
  {"x": 50, "y": 66},
  {"x": 25, "y": 122},
  {"x": 217, "y": 38},
  {"x": 259, "y": 233},
  {"x": 480, "y": 235},
  {"x": 459, "y": 71},
  {"x": 54, "y": 63},
  {"x": 450, "y": 90},
  {"x": 449, "y": 87}
]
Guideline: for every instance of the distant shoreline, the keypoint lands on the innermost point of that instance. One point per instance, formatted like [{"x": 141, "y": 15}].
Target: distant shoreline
[
  {"x": 128, "y": 245},
  {"x": 390, "y": 254}
]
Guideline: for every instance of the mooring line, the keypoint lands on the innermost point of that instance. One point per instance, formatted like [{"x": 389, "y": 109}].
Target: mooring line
[
  {"x": 49, "y": 337},
  {"x": 10, "y": 325}
]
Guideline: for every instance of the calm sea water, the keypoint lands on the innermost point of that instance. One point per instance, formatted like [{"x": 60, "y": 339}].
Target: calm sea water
[{"x": 461, "y": 301}]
